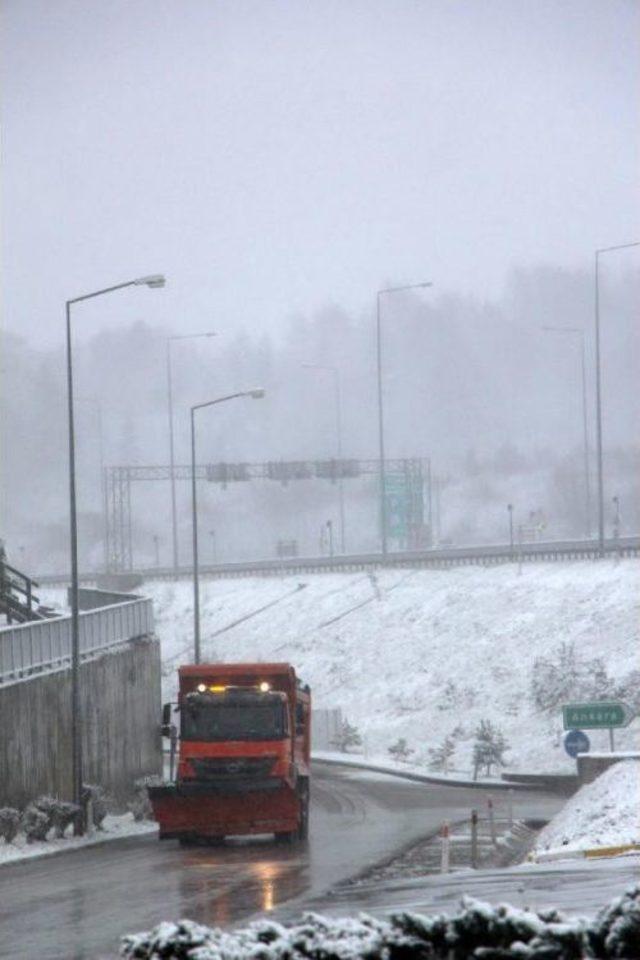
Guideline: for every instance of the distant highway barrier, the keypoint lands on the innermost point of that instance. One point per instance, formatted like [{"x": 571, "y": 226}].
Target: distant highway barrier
[{"x": 544, "y": 551}]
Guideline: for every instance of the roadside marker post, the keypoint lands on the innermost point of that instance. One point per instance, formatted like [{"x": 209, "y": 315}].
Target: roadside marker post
[
  {"x": 492, "y": 821},
  {"x": 474, "y": 839},
  {"x": 445, "y": 842}
]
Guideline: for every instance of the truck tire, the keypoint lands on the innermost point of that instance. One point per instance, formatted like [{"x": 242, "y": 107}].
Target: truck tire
[
  {"x": 287, "y": 837},
  {"x": 197, "y": 840},
  {"x": 301, "y": 834},
  {"x": 215, "y": 841}
]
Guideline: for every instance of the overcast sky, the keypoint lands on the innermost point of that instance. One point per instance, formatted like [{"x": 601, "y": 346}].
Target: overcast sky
[{"x": 271, "y": 156}]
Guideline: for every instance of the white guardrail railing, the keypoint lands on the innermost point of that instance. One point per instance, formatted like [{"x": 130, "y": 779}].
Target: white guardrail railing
[{"x": 42, "y": 645}]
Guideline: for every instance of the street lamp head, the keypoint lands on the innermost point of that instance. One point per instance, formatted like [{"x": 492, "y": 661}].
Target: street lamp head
[
  {"x": 154, "y": 280},
  {"x": 256, "y": 394}
]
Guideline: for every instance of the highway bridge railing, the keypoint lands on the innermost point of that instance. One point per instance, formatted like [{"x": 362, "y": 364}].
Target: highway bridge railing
[
  {"x": 44, "y": 645},
  {"x": 550, "y": 550}
]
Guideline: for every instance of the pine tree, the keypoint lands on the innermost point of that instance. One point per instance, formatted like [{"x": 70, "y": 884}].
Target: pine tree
[
  {"x": 347, "y": 736},
  {"x": 439, "y": 757},
  {"x": 489, "y": 748},
  {"x": 400, "y": 751}
]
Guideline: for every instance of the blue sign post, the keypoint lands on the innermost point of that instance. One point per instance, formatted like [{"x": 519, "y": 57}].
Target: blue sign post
[{"x": 575, "y": 742}]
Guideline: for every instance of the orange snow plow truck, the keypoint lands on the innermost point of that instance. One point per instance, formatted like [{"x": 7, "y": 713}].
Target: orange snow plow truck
[{"x": 243, "y": 759}]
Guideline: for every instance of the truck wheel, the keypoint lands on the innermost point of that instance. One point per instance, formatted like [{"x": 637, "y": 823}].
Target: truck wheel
[{"x": 287, "y": 837}]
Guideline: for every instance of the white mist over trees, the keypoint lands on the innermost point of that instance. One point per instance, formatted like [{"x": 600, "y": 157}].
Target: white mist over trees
[{"x": 480, "y": 388}]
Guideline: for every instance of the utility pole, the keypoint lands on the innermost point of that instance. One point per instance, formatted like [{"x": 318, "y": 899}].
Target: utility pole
[
  {"x": 338, "y": 415},
  {"x": 172, "y": 463},
  {"x": 256, "y": 394},
  {"x": 430, "y": 504},
  {"x": 598, "y": 254},
  {"x": 616, "y": 517},
  {"x": 578, "y": 331},
  {"x": 381, "y": 448},
  {"x": 214, "y": 552},
  {"x": 155, "y": 280},
  {"x": 330, "y": 533},
  {"x": 510, "y": 509}
]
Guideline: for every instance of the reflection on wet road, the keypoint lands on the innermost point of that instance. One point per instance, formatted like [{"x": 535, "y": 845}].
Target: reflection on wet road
[{"x": 76, "y": 906}]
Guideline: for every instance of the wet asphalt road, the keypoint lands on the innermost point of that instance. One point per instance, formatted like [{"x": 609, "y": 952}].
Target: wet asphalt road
[{"x": 76, "y": 906}]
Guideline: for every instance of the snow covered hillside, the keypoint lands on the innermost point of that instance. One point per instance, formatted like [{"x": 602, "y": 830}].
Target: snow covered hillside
[{"x": 427, "y": 654}]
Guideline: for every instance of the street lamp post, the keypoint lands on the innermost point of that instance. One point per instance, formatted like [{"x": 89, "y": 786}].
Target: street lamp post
[
  {"x": 257, "y": 394},
  {"x": 156, "y": 546},
  {"x": 381, "y": 454},
  {"x": 330, "y": 533},
  {"x": 338, "y": 414},
  {"x": 155, "y": 280},
  {"x": 214, "y": 552},
  {"x": 579, "y": 332},
  {"x": 598, "y": 254},
  {"x": 172, "y": 479},
  {"x": 103, "y": 479},
  {"x": 616, "y": 517}
]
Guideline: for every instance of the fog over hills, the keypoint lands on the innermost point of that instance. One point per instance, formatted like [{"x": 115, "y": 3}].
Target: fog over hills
[{"x": 480, "y": 388}]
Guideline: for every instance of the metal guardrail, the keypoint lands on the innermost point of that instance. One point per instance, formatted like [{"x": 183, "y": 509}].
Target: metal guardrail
[
  {"x": 550, "y": 550},
  {"x": 43, "y": 645}
]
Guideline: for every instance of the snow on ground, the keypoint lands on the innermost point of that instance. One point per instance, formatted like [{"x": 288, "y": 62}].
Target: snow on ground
[
  {"x": 605, "y": 813},
  {"x": 422, "y": 654},
  {"x": 114, "y": 828}
]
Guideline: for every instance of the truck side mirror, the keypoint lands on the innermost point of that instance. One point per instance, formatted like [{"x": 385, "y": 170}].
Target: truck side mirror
[
  {"x": 299, "y": 719},
  {"x": 166, "y": 716}
]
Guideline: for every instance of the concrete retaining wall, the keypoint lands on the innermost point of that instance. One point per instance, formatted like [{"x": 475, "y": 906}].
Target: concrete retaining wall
[
  {"x": 591, "y": 765},
  {"x": 121, "y": 703}
]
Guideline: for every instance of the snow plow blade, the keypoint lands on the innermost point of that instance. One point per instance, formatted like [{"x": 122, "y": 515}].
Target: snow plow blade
[{"x": 200, "y": 809}]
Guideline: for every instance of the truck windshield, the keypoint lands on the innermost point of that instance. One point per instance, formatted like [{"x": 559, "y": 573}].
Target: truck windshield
[{"x": 223, "y": 721}]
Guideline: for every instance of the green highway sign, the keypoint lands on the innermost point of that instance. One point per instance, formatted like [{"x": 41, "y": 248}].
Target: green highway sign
[
  {"x": 396, "y": 495},
  {"x": 598, "y": 715}
]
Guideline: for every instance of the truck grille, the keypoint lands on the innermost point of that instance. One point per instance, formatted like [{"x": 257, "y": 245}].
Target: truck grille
[{"x": 228, "y": 768}]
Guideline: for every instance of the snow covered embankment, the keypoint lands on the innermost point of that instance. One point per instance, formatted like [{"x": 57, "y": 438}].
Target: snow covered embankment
[
  {"x": 427, "y": 654},
  {"x": 603, "y": 814}
]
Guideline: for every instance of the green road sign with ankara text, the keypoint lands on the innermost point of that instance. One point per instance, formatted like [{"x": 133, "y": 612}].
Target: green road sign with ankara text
[{"x": 598, "y": 715}]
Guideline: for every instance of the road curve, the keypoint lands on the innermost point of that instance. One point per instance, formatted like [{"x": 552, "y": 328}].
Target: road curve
[{"x": 77, "y": 905}]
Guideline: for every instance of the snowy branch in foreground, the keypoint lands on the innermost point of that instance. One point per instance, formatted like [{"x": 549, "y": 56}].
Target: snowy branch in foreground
[{"x": 477, "y": 932}]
